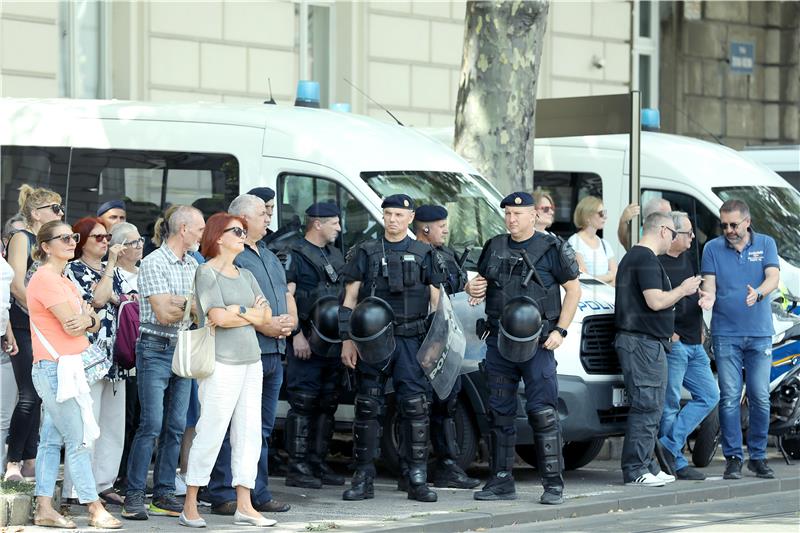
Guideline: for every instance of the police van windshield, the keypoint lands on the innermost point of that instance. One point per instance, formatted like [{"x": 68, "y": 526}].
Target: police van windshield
[
  {"x": 774, "y": 211},
  {"x": 474, "y": 214}
]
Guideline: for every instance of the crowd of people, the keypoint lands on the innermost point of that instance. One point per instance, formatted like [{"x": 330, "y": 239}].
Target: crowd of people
[{"x": 66, "y": 294}]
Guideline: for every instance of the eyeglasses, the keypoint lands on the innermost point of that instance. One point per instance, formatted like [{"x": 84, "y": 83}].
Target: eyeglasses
[
  {"x": 603, "y": 213},
  {"x": 672, "y": 232},
  {"x": 100, "y": 237},
  {"x": 136, "y": 243},
  {"x": 236, "y": 230},
  {"x": 547, "y": 209},
  {"x": 689, "y": 233},
  {"x": 724, "y": 225},
  {"x": 57, "y": 208},
  {"x": 66, "y": 238}
]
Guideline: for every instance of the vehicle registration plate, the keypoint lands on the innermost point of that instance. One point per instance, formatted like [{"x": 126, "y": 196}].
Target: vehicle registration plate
[{"x": 619, "y": 397}]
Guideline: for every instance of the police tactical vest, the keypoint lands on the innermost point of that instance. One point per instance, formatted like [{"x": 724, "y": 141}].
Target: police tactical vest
[
  {"x": 396, "y": 278},
  {"x": 453, "y": 275},
  {"x": 326, "y": 267},
  {"x": 506, "y": 271}
]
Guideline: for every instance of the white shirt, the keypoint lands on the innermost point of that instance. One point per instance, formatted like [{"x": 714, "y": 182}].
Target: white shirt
[
  {"x": 6, "y": 276},
  {"x": 129, "y": 280},
  {"x": 596, "y": 260}
]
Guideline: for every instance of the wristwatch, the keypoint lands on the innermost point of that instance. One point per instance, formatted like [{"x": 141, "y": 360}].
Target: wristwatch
[
  {"x": 561, "y": 331},
  {"x": 759, "y": 297},
  {"x": 94, "y": 322},
  {"x": 242, "y": 310}
]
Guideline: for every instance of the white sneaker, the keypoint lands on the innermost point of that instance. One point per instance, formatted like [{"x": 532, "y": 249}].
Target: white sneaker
[
  {"x": 647, "y": 480},
  {"x": 666, "y": 478},
  {"x": 180, "y": 485}
]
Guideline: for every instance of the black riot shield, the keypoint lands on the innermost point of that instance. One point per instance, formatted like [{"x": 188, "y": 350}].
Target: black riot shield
[{"x": 442, "y": 351}]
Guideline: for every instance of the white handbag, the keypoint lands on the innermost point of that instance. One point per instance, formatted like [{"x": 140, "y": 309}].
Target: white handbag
[{"x": 195, "y": 351}]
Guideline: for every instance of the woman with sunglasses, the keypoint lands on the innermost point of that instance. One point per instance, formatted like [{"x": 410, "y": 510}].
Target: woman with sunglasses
[
  {"x": 594, "y": 254},
  {"x": 545, "y": 210},
  {"x": 63, "y": 320},
  {"x": 94, "y": 279},
  {"x": 126, "y": 273},
  {"x": 234, "y": 302},
  {"x": 37, "y": 206}
]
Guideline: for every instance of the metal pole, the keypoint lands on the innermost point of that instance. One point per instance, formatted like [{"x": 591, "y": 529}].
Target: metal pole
[{"x": 634, "y": 153}]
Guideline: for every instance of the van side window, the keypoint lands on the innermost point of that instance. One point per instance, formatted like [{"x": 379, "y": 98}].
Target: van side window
[
  {"x": 704, "y": 222},
  {"x": 567, "y": 189},
  {"x": 149, "y": 181},
  {"x": 297, "y": 192},
  {"x": 38, "y": 166}
]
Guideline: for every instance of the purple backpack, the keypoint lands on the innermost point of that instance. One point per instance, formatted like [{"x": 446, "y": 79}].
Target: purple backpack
[{"x": 127, "y": 333}]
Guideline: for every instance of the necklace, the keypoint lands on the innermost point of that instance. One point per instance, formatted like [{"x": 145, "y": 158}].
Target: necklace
[{"x": 97, "y": 270}]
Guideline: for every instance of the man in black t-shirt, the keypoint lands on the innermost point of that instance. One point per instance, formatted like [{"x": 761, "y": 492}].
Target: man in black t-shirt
[
  {"x": 687, "y": 362},
  {"x": 645, "y": 323}
]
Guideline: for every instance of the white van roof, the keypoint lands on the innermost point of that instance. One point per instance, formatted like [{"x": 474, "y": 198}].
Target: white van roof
[
  {"x": 778, "y": 158},
  {"x": 348, "y": 143}
]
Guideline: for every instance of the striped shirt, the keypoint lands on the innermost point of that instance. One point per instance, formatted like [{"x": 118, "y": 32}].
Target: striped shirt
[{"x": 162, "y": 272}]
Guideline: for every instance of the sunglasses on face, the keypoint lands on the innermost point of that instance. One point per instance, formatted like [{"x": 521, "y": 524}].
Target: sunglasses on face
[
  {"x": 671, "y": 231},
  {"x": 236, "y": 230},
  {"x": 136, "y": 243},
  {"x": 547, "y": 209},
  {"x": 66, "y": 238},
  {"x": 733, "y": 225},
  {"x": 57, "y": 208},
  {"x": 100, "y": 237}
]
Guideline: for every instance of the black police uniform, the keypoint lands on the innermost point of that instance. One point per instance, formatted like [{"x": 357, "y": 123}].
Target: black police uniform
[
  {"x": 505, "y": 270},
  {"x": 313, "y": 384},
  {"x": 400, "y": 273}
]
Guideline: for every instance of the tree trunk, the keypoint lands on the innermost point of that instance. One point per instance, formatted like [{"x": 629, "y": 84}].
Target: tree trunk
[{"x": 497, "y": 91}]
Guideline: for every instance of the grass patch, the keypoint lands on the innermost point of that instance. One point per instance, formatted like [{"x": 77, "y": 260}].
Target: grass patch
[{"x": 16, "y": 487}]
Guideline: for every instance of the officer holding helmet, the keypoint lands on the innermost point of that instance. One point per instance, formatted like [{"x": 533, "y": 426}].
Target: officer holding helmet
[
  {"x": 430, "y": 226},
  {"x": 390, "y": 287},
  {"x": 520, "y": 273},
  {"x": 314, "y": 370}
]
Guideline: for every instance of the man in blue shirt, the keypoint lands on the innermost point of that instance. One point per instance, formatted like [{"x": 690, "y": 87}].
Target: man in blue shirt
[{"x": 740, "y": 269}]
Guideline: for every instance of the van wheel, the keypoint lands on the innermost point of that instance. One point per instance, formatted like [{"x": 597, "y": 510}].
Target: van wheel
[
  {"x": 465, "y": 430},
  {"x": 706, "y": 440},
  {"x": 577, "y": 454},
  {"x": 791, "y": 446}
]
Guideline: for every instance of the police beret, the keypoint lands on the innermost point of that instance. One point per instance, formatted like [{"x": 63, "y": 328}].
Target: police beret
[
  {"x": 400, "y": 201},
  {"x": 265, "y": 193},
  {"x": 517, "y": 199},
  {"x": 323, "y": 210},
  {"x": 111, "y": 204},
  {"x": 430, "y": 213}
]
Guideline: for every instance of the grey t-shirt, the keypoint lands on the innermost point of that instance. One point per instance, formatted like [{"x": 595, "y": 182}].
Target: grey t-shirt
[{"x": 239, "y": 345}]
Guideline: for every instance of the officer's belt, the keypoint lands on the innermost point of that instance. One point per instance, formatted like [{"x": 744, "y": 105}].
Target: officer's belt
[{"x": 415, "y": 328}]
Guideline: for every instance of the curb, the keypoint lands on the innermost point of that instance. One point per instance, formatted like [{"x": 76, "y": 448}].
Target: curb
[{"x": 471, "y": 520}]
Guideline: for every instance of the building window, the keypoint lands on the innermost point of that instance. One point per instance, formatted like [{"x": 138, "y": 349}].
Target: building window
[
  {"x": 316, "y": 21},
  {"x": 645, "y": 51},
  {"x": 84, "y": 70}
]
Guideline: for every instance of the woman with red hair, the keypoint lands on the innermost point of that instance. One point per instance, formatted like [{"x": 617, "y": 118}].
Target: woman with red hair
[
  {"x": 94, "y": 279},
  {"x": 233, "y": 301}
]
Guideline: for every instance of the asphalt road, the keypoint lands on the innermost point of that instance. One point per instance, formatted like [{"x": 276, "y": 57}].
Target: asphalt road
[{"x": 775, "y": 513}]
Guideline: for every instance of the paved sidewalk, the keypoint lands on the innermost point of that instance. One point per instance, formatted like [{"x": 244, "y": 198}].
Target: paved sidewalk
[{"x": 596, "y": 489}]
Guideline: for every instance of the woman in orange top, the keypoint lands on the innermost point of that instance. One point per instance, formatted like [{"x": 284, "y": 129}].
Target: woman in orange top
[{"x": 56, "y": 309}]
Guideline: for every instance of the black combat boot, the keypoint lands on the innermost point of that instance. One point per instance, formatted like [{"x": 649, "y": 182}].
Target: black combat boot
[
  {"x": 361, "y": 487},
  {"x": 502, "y": 455},
  {"x": 450, "y": 475},
  {"x": 300, "y": 473},
  {"x": 322, "y": 441},
  {"x": 366, "y": 434},
  {"x": 549, "y": 462}
]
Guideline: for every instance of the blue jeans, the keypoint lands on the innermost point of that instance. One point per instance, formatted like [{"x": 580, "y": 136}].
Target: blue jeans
[
  {"x": 164, "y": 400},
  {"x": 62, "y": 424},
  {"x": 687, "y": 365},
  {"x": 220, "y": 488},
  {"x": 755, "y": 354}
]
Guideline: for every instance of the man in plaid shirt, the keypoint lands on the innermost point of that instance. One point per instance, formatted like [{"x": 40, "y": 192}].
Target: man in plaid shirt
[{"x": 165, "y": 286}]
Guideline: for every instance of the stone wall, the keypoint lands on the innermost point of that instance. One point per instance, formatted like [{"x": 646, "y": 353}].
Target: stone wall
[
  {"x": 29, "y": 49},
  {"x": 700, "y": 95}
]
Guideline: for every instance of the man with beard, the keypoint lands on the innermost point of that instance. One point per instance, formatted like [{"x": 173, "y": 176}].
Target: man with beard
[{"x": 740, "y": 268}]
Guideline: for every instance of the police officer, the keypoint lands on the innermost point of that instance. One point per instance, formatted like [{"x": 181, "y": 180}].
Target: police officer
[
  {"x": 430, "y": 227},
  {"x": 518, "y": 270},
  {"x": 314, "y": 369},
  {"x": 399, "y": 271}
]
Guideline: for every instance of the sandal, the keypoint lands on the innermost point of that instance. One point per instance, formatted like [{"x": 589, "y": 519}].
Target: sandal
[
  {"x": 105, "y": 522},
  {"x": 111, "y": 497},
  {"x": 60, "y": 522}
]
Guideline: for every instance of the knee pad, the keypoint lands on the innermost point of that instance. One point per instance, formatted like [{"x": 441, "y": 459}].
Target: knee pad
[
  {"x": 328, "y": 403},
  {"x": 414, "y": 407},
  {"x": 367, "y": 407},
  {"x": 543, "y": 419},
  {"x": 303, "y": 402}
]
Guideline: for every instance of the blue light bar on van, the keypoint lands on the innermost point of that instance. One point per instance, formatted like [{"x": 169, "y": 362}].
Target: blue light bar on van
[
  {"x": 307, "y": 94},
  {"x": 651, "y": 119},
  {"x": 341, "y": 107}
]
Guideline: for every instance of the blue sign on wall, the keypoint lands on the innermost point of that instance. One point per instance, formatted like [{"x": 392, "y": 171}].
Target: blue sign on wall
[{"x": 742, "y": 57}]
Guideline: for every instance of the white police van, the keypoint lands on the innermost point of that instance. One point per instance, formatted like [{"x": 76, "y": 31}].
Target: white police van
[
  {"x": 154, "y": 154},
  {"x": 784, "y": 160}
]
